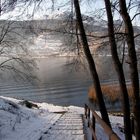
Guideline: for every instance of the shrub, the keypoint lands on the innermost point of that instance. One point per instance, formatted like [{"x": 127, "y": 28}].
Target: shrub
[{"x": 110, "y": 92}]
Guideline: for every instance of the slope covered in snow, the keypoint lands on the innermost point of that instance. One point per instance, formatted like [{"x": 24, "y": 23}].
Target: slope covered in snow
[{"x": 23, "y": 120}]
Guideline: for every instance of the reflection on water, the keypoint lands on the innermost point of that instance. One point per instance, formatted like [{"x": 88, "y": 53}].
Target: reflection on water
[{"x": 60, "y": 84}]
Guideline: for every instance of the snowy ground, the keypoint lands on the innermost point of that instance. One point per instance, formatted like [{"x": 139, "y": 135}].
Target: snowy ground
[{"x": 18, "y": 122}]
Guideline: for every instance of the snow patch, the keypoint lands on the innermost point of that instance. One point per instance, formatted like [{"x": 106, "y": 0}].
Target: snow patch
[{"x": 18, "y": 122}]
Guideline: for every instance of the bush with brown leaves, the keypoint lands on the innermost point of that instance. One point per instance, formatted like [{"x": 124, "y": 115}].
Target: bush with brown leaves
[{"x": 110, "y": 92}]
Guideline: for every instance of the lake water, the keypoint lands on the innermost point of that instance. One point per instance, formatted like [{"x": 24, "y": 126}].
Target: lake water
[{"x": 62, "y": 81}]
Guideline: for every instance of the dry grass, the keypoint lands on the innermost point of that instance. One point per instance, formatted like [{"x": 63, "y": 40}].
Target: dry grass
[{"x": 110, "y": 92}]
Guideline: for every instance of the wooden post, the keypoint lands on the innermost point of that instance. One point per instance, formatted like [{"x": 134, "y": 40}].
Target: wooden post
[
  {"x": 93, "y": 125},
  {"x": 88, "y": 117},
  {"x": 86, "y": 111},
  {"x": 132, "y": 125},
  {"x": 93, "y": 122}
]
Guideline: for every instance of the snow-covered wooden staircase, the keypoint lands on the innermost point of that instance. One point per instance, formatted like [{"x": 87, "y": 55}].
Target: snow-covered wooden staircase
[{"x": 68, "y": 127}]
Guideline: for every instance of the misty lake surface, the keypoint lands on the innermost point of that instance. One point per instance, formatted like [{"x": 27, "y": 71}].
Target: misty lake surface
[{"x": 62, "y": 81}]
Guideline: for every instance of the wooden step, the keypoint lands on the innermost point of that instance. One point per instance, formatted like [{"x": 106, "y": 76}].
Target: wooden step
[{"x": 68, "y": 127}]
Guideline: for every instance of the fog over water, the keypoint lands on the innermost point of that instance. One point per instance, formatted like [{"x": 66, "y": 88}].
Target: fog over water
[{"x": 61, "y": 82}]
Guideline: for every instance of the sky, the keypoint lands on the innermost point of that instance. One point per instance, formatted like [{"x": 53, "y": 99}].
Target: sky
[
  {"x": 45, "y": 7},
  {"x": 38, "y": 11}
]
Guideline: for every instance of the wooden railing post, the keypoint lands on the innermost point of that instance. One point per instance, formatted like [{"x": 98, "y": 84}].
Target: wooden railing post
[
  {"x": 93, "y": 125},
  {"x": 88, "y": 117},
  {"x": 86, "y": 111},
  {"x": 132, "y": 125},
  {"x": 93, "y": 122}
]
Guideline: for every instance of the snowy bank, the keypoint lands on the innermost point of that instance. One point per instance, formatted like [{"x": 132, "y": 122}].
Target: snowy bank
[{"x": 23, "y": 120}]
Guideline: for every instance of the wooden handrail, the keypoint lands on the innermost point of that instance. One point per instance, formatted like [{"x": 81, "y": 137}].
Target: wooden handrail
[{"x": 111, "y": 134}]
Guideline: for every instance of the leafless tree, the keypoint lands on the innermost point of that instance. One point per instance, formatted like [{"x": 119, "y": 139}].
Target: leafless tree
[
  {"x": 133, "y": 63},
  {"x": 119, "y": 69},
  {"x": 118, "y": 33},
  {"x": 14, "y": 53},
  {"x": 91, "y": 64}
]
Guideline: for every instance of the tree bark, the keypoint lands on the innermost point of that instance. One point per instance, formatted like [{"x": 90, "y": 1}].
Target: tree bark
[
  {"x": 91, "y": 64},
  {"x": 133, "y": 64},
  {"x": 120, "y": 72}
]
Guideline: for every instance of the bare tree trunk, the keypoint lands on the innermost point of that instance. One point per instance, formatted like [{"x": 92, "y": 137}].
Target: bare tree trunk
[
  {"x": 133, "y": 64},
  {"x": 119, "y": 69},
  {"x": 91, "y": 64}
]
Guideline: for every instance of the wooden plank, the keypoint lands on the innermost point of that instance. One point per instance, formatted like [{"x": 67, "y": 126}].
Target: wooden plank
[
  {"x": 67, "y": 127},
  {"x": 72, "y": 132},
  {"x": 63, "y": 137}
]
